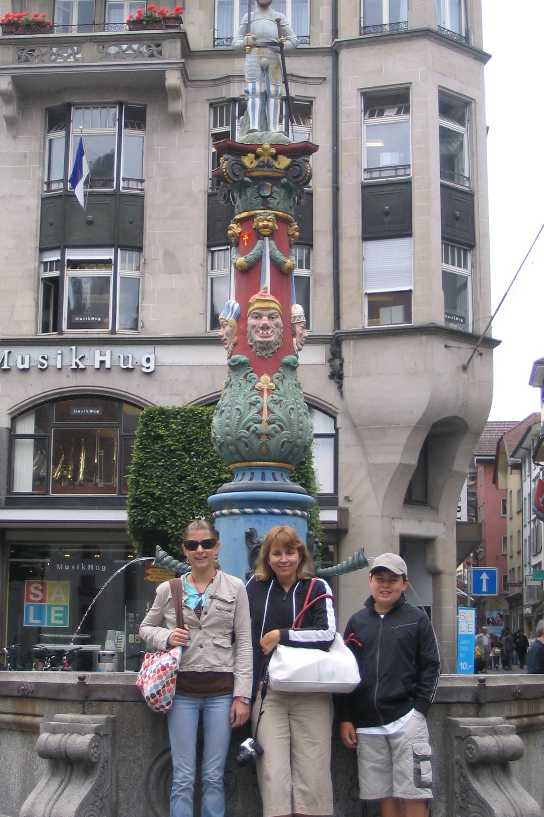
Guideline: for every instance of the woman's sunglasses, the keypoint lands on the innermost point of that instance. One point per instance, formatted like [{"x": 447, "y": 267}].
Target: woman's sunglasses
[{"x": 192, "y": 544}]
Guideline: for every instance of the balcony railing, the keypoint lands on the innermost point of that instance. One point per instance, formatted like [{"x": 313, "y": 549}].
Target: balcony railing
[
  {"x": 226, "y": 42},
  {"x": 97, "y": 183},
  {"x": 453, "y": 35},
  {"x": 455, "y": 178},
  {"x": 387, "y": 172},
  {"x": 96, "y": 45},
  {"x": 385, "y": 28}
]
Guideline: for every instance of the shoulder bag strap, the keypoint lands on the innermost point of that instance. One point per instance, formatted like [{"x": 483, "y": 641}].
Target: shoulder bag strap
[
  {"x": 177, "y": 596},
  {"x": 307, "y": 603}
]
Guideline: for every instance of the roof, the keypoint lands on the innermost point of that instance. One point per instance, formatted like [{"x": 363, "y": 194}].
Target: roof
[
  {"x": 513, "y": 437},
  {"x": 493, "y": 431}
]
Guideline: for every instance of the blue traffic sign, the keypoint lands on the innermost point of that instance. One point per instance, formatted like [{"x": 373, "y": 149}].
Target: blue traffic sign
[{"x": 484, "y": 581}]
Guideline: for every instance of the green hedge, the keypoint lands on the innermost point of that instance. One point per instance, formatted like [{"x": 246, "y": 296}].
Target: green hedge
[{"x": 174, "y": 470}]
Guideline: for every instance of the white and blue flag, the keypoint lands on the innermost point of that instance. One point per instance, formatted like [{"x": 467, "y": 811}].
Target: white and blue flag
[{"x": 80, "y": 173}]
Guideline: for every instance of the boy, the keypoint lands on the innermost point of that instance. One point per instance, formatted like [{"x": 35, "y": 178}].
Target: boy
[{"x": 384, "y": 718}]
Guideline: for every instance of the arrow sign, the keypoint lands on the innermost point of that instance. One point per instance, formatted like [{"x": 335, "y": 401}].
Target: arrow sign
[{"x": 484, "y": 581}]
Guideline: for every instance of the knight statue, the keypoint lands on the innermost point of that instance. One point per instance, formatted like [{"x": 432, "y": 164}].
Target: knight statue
[{"x": 264, "y": 33}]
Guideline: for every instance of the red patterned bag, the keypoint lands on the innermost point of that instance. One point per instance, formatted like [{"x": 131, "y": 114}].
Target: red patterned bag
[{"x": 159, "y": 671}]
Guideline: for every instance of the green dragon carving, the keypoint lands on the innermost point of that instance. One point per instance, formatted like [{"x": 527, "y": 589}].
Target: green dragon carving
[{"x": 238, "y": 431}]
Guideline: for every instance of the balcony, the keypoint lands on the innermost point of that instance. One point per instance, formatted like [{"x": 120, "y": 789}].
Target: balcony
[{"x": 37, "y": 63}]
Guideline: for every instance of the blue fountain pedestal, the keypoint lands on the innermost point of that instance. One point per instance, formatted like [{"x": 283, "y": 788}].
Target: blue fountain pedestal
[{"x": 259, "y": 497}]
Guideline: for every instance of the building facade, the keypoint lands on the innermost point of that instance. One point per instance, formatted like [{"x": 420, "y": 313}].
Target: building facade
[{"x": 112, "y": 307}]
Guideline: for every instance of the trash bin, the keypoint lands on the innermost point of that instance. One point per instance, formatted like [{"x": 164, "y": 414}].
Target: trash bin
[{"x": 107, "y": 661}]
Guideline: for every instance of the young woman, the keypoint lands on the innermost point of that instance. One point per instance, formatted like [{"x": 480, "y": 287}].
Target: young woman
[
  {"x": 294, "y": 729},
  {"x": 215, "y": 677}
]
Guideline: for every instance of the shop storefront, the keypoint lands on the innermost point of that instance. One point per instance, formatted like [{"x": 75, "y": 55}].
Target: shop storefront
[{"x": 64, "y": 537}]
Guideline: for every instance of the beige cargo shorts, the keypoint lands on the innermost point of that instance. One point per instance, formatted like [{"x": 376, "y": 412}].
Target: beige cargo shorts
[{"x": 397, "y": 765}]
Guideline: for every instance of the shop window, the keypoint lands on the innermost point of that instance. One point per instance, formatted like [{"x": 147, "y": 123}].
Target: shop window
[
  {"x": 383, "y": 15},
  {"x": 388, "y": 281},
  {"x": 229, "y": 15},
  {"x": 50, "y": 588},
  {"x": 219, "y": 283},
  {"x": 456, "y": 285},
  {"x": 453, "y": 116},
  {"x": 302, "y": 279},
  {"x": 92, "y": 279},
  {"x": 450, "y": 15},
  {"x": 73, "y": 15},
  {"x": 78, "y": 446},
  {"x": 324, "y": 452},
  {"x": 113, "y": 138},
  {"x": 386, "y": 137}
]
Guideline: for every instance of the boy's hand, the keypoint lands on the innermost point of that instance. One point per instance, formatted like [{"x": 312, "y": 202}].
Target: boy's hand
[{"x": 348, "y": 735}]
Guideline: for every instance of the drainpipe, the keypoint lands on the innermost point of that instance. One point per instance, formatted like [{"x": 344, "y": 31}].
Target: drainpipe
[{"x": 335, "y": 171}]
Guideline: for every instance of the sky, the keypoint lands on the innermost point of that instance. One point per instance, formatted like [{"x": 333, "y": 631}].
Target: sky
[{"x": 515, "y": 118}]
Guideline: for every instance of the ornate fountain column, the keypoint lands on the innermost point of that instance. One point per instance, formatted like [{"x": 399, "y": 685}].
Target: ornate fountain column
[{"x": 261, "y": 428}]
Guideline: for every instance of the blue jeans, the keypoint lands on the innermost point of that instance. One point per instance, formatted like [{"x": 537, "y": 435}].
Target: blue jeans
[{"x": 182, "y": 728}]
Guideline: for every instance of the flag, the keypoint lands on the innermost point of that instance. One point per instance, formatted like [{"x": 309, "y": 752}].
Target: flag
[{"x": 80, "y": 173}]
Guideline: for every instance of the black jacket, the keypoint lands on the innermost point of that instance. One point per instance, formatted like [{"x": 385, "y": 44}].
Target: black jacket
[
  {"x": 272, "y": 608},
  {"x": 398, "y": 661},
  {"x": 535, "y": 658}
]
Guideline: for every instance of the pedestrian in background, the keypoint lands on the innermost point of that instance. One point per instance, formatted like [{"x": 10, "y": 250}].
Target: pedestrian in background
[
  {"x": 507, "y": 649},
  {"x": 521, "y": 643},
  {"x": 384, "y": 718},
  {"x": 483, "y": 649},
  {"x": 535, "y": 654}
]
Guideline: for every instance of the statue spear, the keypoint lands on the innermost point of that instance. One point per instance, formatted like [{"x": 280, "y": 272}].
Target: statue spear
[{"x": 285, "y": 79}]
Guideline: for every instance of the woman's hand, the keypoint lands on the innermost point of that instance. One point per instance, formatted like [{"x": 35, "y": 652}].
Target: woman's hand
[
  {"x": 270, "y": 641},
  {"x": 239, "y": 712},
  {"x": 178, "y": 638},
  {"x": 348, "y": 734}
]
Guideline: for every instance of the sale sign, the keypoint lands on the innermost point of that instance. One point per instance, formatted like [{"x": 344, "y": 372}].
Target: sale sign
[{"x": 46, "y": 604}]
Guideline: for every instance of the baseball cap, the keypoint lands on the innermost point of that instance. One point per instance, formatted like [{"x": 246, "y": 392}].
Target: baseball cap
[{"x": 390, "y": 561}]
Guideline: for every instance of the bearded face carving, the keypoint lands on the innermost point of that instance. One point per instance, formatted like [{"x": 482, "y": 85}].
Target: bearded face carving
[
  {"x": 298, "y": 327},
  {"x": 264, "y": 331},
  {"x": 228, "y": 325}
]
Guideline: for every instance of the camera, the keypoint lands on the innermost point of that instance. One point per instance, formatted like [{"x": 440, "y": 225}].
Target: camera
[{"x": 250, "y": 749}]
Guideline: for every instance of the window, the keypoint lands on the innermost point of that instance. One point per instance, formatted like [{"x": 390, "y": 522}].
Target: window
[
  {"x": 55, "y": 149},
  {"x": 504, "y": 544},
  {"x": 505, "y": 583},
  {"x": 219, "y": 282},
  {"x": 72, "y": 446},
  {"x": 92, "y": 280},
  {"x": 456, "y": 279},
  {"x": 453, "y": 129},
  {"x": 107, "y": 130},
  {"x": 388, "y": 281},
  {"x": 519, "y": 541},
  {"x": 518, "y": 501},
  {"x": 386, "y": 138},
  {"x": 300, "y": 129},
  {"x": 503, "y": 506},
  {"x": 302, "y": 279},
  {"x": 230, "y": 13},
  {"x": 511, "y": 548},
  {"x": 451, "y": 18},
  {"x": 49, "y": 292},
  {"x": 117, "y": 12},
  {"x": 384, "y": 15},
  {"x": 510, "y": 505},
  {"x": 74, "y": 15},
  {"x": 324, "y": 451},
  {"x": 536, "y": 538}
]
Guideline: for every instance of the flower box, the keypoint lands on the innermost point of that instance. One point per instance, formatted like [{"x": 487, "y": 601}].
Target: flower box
[
  {"x": 16, "y": 28},
  {"x": 154, "y": 25}
]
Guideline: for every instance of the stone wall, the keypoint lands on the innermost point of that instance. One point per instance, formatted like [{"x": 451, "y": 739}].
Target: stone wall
[{"x": 140, "y": 746}]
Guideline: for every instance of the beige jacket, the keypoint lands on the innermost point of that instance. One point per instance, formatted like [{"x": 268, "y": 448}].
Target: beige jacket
[{"x": 220, "y": 641}]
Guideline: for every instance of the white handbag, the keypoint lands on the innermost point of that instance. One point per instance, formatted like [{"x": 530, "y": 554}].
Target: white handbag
[
  {"x": 301, "y": 669},
  {"x": 296, "y": 669}
]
